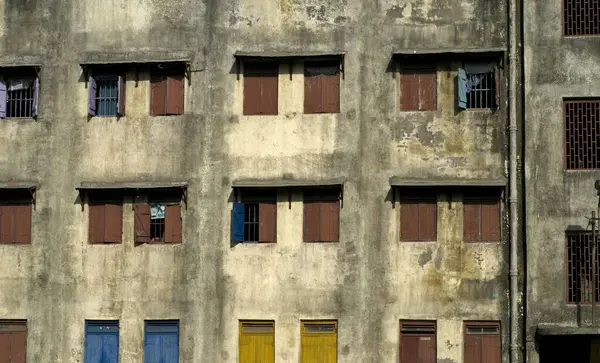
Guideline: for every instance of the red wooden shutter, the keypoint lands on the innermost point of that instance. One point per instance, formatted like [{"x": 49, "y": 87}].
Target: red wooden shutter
[
  {"x": 472, "y": 349},
  {"x": 331, "y": 93},
  {"x": 113, "y": 223},
  {"x": 269, "y": 95},
  {"x": 18, "y": 346},
  {"x": 427, "y": 87},
  {"x": 5, "y": 347},
  {"x": 175, "y": 87},
  {"x": 7, "y": 224},
  {"x": 409, "y": 348},
  {"x": 427, "y": 349},
  {"x": 490, "y": 221},
  {"x": 329, "y": 230},
  {"x": 312, "y": 93},
  {"x": 142, "y": 222},
  {"x": 173, "y": 224},
  {"x": 311, "y": 221},
  {"x": 490, "y": 349},
  {"x": 471, "y": 221},
  {"x": 122, "y": 95},
  {"x": 267, "y": 219},
  {"x": 427, "y": 220},
  {"x": 409, "y": 91},
  {"x": 158, "y": 93},
  {"x": 96, "y": 223},
  {"x": 409, "y": 220},
  {"x": 252, "y": 96},
  {"x": 22, "y": 224}
]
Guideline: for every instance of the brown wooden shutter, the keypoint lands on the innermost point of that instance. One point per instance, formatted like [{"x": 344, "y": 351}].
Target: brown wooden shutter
[
  {"x": 18, "y": 347},
  {"x": 472, "y": 349},
  {"x": 142, "y": 222},
  {"x": 471, "y": 221},
  {"x": 331, "y": 93},
  {"x": 6, "y": 224},
  {"x": 311, "y": 221},
  {"x": 409, "y": 91},
  {"x": 269, "y": 95},
  {"x": 22, "y": 223},
  {"x": 122, "y": 96},
  {"x": 490, "y": 221},
  {"x": 5, "y": 347},
  {"x": 498, "y": 87},
  {"x": 252, "y": 96},
  {"x": 427, "y": 220},
  {"x": 312, "y": 93},
  {"x": 329, "y": 230},
  {"x": 409, "y": 349},
  {"x": 409, "y": 220},
  {"x": 113, "y": 223},
  {"x": 427, "y": 349},
  {"x": 427, "y": 87},
  {"x": 267, "y": 219},
  {"x": 490, "y": 349},
  {"x": 175, "y": 87},
  {"x": 158, "y": 93},
  {"x": 173, "y": 224},
  {"x": 96, "y": 223}
]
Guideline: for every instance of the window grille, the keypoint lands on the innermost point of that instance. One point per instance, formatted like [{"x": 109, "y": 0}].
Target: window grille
[
  {"x": 481, "y": 90},
  {"x": 581, "y": 17},
  {"x": 19, "y": 98},
  {"x": 107, "y": 97},
  {"x": 251, "y": 222},
  {"x": 582, "y": 134},
  {"x": 579, "y": 268},
  {"x": 157, "y": 223}
]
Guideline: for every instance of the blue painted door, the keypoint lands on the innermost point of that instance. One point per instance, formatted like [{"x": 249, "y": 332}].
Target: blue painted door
[
  {"x": 161, "y": 342},
  {"x": 101, "y": 342}
]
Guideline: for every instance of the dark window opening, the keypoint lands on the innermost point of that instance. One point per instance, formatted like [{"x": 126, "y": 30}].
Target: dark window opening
[
  {"x": 20, "y": 97},
  {"x": 580, "y": 285},
  {"x": 481, "y": 90},
  {"x": 582, "y": 134},
  {"x": 107, "y": 97},
  {"x": 581, "y": 17},
  {"x": 157, "y": 222},
  {"x": 255, "y": 220},
  {"x": 251, "y": 222}
]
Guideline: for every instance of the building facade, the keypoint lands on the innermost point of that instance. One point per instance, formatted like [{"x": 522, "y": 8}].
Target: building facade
[{"x": 230, "y": 181}]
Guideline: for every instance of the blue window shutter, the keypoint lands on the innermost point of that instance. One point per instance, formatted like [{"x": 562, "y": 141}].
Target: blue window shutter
[
  {"x": 462, "y": 89},
  {"x": 92, "y": 89},
  {"x": 2, "y": 98},
  {"x": 93, "y": 348},
  {"x": 36, "y": 96},
  {"x": 170, "y": 348},
  {"x": 237, "y": 222},
  {"x": 152, "y": 348},
  {"x": 110, "y": 346}
]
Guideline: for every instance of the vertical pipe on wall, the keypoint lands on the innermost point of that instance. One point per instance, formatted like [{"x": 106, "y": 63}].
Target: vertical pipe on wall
[{"x": 514, "y": 80}]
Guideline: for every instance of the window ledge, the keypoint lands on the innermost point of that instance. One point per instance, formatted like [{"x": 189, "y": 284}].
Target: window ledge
[{"x": 15, "y": 119}]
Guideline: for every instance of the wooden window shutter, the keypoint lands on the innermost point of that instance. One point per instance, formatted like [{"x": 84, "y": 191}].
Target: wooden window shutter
[
  {"x": 329, "y": 230},
  {"x": 252, "y": 96},
  {"x": 331, "y": 93},
  {"x": 18, "y": 347},
  {"x": 312, "y": 93},
  {"x": 158, "y": 94},
  {"x": 490, "y": 349},
  {"x": 113, "y": 223},
  {"x": 498, "y": 87},
  {"x": 173, "y": 225},
  {"x": 311, "y": 221},
  {"x": 409, "y": 220},
  {"x": 142, "y": 222},
  {"x": 175, "y": 88},
  {"x": 427, "y": 90},
  {"x": 428, "y": 220},
  {"x": 96, "y": 223},
  {"x": 22, "y": 223},
  {"x": 267, "y": 219},
  {"x": 409, "y": 91},
  {"x": 409, "y": 348},
  {"x": 472, "y": 350},
  {"x": 6, "y": 224},
  {"x": 269, "y": 95},
  {"x": 471, "y": 221},
  {"x": 5, "y": 347},
  {"x": 490, "y": 221},
  {"x": 121, "y": 95}
]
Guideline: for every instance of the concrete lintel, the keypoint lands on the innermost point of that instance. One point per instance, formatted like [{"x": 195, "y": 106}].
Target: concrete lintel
[
  {"x": 397, "y": 181},
  {"x": 282, "y": 183},
  {"x": 553, "y": 330},
  {"x": 290, "y": 54},
  {"x": 449, "y": 52},
  {"x": 131, "y": 185},
  {"x": 18, "y": 185}
]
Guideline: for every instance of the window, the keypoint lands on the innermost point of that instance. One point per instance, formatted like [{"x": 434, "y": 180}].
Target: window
[
  {"x": 257, "y": 342},
  {"x": 255, "y": 220},
  {"x": 161, "y": 341},
  {"x": 318, "y": 342},
  {"x": 321, "y": 88},
  {"x": 418, "y": 219},
  {"x": 101, "y": 341},
  {"x": 478, "y": 86},
  {"x": 481, "y": 218},
  {"x": 260, "y": 88},
  {"x": 581, "y": 17},
  {"x": 106, "y": 95},
  {"x": 105, "y": 218},
  {"x": 13, "y": 341},
  {"x": 482, "y": 342},
  {"x": 167, "y": 90},
  {"x": 15, "y": 216},
  {"x": 19, "y": 95},
  {"x": 418, "y": 88},
  {"x": 417, "y": 342},
  {"x": 582, "y": 134},
  {"x": 322, "y": 215},
  {"x": 159, "y": 220},
  {"x": 580, "y": 280}
]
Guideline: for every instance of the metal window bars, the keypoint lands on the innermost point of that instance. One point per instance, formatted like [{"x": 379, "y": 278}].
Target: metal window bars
[
  {"x": 19, "y": 98},
  {"x": 581, "y": 17},
  {"x": 580, "y": 279},
  {"x": 481, "y": 90},
  {"x": 251, "y": 222},
  {"x": 107, "y": 97},
  {"x": 582, "y": 134}
]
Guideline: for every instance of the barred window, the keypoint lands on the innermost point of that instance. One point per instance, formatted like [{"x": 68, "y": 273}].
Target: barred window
[
  {"x": 107, "y": 97},
  {"x": 481, "y": 90},
  {"x": 251, "y": 222},
  {"x": 581, "y": 17},
  {"x": 580, "y": 286},
  {"x": 582, "y": 134},
  {"x": 157, "y": 222},
  {"x": 19, "y": 97}
]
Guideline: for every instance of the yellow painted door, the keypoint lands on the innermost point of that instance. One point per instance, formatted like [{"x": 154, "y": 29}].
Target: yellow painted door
[
  {"x": 319, "y": 342},
  {"x": 257, "y": 342}
]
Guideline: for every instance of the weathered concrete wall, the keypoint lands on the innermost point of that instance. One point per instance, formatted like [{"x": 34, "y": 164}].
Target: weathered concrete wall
[
  {"x": 368, "y": 281},
  {"x": 555, "y": 198}
]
